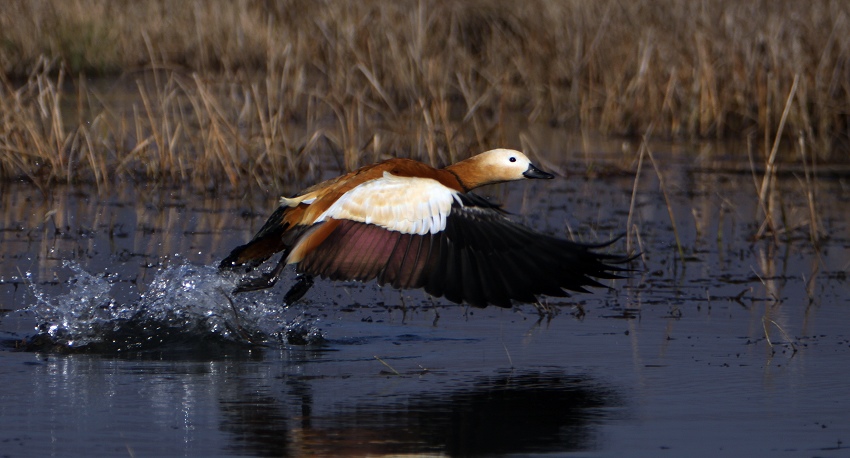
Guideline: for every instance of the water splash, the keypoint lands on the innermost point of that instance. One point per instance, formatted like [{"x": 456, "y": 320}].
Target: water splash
[{"x": 184, "y": 306}]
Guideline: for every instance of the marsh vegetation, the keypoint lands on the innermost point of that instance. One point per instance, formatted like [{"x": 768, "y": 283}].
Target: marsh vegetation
[{"x": 251, "y": 93}]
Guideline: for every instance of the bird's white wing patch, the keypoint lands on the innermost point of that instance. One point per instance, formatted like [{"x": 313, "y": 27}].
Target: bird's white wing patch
[
  {"x": 295, "y": 201},
  {"x": 404, "y": 204}
]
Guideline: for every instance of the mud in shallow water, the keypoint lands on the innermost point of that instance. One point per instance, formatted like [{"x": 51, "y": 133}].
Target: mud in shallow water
[{"x": 137, "y": 346}]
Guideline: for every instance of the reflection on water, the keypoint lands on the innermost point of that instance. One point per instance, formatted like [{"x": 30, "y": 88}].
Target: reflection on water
[
  {"x": 233, "y": 403},
  {"x": 506, "y": 413}
]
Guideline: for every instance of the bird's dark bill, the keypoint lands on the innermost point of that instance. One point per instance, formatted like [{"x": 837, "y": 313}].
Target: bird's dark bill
[{"x": 534, "y": 172}]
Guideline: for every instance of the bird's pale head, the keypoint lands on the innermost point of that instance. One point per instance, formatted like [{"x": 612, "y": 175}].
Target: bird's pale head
[{"x": 497, "y": 166}]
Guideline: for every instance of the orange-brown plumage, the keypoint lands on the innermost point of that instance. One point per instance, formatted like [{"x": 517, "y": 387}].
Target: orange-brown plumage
[{"x": 410, "y": 225}]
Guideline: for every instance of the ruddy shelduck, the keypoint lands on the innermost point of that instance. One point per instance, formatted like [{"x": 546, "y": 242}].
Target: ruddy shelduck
[{"x": 409, "y": 225}]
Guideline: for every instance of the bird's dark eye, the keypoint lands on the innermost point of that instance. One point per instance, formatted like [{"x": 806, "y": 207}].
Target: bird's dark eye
[{"x": 512, "y": 159}]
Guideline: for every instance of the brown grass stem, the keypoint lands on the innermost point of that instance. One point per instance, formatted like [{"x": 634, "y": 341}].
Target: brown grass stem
[
  {"x": 810, "y": 190},
  {"x": 663, "y": 186},
  {"x": 633, "y": 201},
  {"x": 395, "y": 372},
  {"x": 765, "y": 201},
  {"x": 764, "y": 321}
]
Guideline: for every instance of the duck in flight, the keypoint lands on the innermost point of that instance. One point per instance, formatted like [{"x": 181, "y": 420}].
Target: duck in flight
[{"x": 409, "y": 225}]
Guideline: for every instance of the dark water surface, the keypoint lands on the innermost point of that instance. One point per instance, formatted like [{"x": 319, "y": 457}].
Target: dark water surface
[{"x": 120, "y": 338}]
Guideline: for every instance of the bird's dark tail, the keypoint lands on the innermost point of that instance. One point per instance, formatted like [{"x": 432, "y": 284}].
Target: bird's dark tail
[
  {"x": 253, "y": 253},
  {"x": 268, "y": 241}
]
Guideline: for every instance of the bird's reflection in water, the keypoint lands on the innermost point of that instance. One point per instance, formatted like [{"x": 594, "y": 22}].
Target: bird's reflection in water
[{"x": 506, "y": 413}]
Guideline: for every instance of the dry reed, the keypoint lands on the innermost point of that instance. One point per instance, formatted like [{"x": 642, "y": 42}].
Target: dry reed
[{"x": 247, "y": 91}]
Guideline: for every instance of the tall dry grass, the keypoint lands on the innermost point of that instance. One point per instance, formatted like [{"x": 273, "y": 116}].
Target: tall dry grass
[{"x": 255, "y": 91}]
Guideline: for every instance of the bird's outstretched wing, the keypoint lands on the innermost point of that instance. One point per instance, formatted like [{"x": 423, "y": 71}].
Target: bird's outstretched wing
[{"x": 471, "y": 252}]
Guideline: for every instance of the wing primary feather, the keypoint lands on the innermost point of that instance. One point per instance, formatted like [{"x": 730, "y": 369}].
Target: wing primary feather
[
  {"x": 425, "y": 261},
  {"x": 437, "y": 274},
  {"x": 454, "y": 275},
  {"x": 470, "y": 286}
]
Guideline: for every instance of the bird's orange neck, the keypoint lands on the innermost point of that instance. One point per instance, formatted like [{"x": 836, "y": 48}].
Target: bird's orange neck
[{"x": 470, "y": 173}]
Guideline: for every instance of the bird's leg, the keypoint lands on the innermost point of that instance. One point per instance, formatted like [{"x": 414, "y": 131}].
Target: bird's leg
[
  {"x": 263, "y": 281},
  {"x": 299, "y": 289},
  {"x": 240, "y": 331}
]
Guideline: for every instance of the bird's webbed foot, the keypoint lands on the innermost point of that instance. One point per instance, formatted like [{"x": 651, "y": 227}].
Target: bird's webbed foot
[
  {"x": 299, "y": 289},
  {"x": 256, "y": 283},
  {"x": 263, "y": 281}
]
